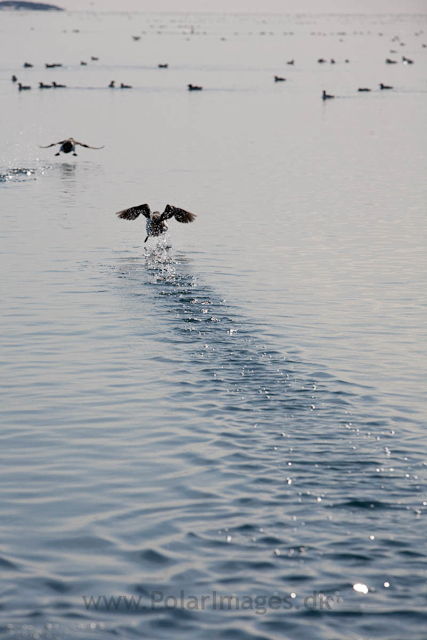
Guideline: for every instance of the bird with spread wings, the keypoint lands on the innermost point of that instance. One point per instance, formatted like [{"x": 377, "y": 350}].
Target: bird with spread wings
[
  {"x": 156, "y": 221},
  {"x": 68, "y": 145}
]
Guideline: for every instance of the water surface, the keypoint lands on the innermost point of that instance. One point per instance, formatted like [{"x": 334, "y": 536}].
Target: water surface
[{"x": 239, "y": 410}]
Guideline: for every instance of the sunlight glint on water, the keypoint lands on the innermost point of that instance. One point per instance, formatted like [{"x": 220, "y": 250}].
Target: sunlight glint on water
[{"x": 236, "y": 410}]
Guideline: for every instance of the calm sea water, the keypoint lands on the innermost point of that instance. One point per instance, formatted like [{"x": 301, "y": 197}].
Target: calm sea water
[{"x": 227, "y": 426}]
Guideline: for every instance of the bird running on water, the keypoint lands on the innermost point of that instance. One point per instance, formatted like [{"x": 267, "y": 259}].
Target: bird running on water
[
  {"x": 156, "y": 221},
  {"x": 68, "y": 145}
]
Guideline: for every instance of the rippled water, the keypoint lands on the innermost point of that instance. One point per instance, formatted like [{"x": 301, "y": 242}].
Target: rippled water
[{"x": 226, "y": 425}]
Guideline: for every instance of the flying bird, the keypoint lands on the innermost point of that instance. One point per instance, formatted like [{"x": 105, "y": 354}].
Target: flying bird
[
  {"x": 68, "y": 145},
  {"x": 156, "y": 221}
]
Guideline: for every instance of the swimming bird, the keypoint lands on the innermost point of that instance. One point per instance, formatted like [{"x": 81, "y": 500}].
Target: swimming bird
[
  {"x": 14, "y": 79},
  {"x": 332, "y": 61},
  {"x": 136, "y": 38},
  {"x": 156, "y": 221},
  {"x": 53, "y": 65},
  {"x": 27, "y": 65},
  {"x": 112, "y": 84},
  {"x": 45, "y": 86},
  {"x": 58, "y": 86},
  {"x": 192, "y": 87},
  {"x": 363, "y": 89},
  {"x": 321, "y": 60},
  {"x": 68, "y": 145},
  {"x": 384, "y": 86},
  {"x": 326, "y": 96},
  {"x": 407, "y": 60},
  {"x": 83, "y": 63},
  {"x": 390, "y": 61},
  {"x": 21, "y": 87},
  {"x": 290, "y": 62},
  {"x": 279, "y": 79},
  {"x": 163, "y": 66},
  {"x": 125, "y": 86},
  {"x": 94, "y": 58}
]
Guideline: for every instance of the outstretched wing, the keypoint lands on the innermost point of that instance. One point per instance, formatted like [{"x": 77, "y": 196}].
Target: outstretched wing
[
  {"x": 87, "y": 145},
  {"x": 52, "y": 145},
  {"x": 133, "y": 212},
  {"x": 179, "y": 214}
]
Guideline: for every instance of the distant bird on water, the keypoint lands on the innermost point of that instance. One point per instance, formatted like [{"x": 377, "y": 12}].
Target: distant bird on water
[
  {"x": 68, "y": 146},
  {"x": 279, "y": 79},
  {"x": 112, "y": 84},
  {"x": 384, "y": 86},
  {"x": 291, "y": 62},
  {"x": 58, "y": 86},
  {"x": 163, "y": 66},
  {"x": 363, "y": 89},
  {"x": 14, "y": 79},
  {"x": 45, "y": 86},
  {"x": 27, "y": 65},
  {"x": 156, "y": 221},
  {"x": 125, "y": 86},
  {"x": 192, "y": 87},
  {"x": 22, "y": 87},
  {"x": 326, "y": 96}
]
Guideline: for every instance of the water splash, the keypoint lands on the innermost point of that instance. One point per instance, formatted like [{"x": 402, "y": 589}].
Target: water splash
[{"x": 21, "y": 174}]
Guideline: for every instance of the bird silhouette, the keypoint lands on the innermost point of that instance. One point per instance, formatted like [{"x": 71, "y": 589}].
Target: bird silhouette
[
  {"x": 68, "y": 146},
  {"x": 156, "y": 222}
]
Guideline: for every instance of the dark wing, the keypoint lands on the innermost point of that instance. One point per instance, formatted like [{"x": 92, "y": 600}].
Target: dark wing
[
  {"x": 133, "y": 212},
  {"x": 87, "y": 145},
  {"x": 179, "y": 214},
  {"x": 52, "y": 145}
]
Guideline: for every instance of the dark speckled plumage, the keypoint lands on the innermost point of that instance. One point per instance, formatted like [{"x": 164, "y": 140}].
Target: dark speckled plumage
[{"x": 156, "y": 221}]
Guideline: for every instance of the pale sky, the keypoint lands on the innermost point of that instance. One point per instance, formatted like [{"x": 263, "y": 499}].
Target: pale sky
[{"x": 249, "y": 6}]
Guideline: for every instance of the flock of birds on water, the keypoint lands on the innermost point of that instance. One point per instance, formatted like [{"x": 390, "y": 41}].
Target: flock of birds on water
[
  {"x": 156, "y": 222},
  {"x": 191, "y": 87}
]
